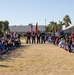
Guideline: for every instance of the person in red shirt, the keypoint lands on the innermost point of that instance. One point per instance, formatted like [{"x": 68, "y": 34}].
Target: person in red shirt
[
  {"x": 54, "y": 39},
  {"x": 72, "y": 35}
]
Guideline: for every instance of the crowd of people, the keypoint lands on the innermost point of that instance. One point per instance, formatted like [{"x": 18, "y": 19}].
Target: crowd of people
[
  {"x": 12, "y": 41},
  {"x": 59, "y": 38},
  {"x": 9, "y": 42},
  {"x": 65, "y": 41}
]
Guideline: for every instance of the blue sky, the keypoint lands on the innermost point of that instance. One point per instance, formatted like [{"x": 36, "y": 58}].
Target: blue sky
[{"x": 23, "y": 12}]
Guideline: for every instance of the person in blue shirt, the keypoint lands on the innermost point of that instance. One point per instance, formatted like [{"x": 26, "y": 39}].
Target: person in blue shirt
[{"x": 1, "y": 47}]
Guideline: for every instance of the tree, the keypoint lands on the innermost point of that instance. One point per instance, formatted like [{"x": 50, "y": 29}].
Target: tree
[
  {"x": 48, "y": 28},
  {"x": 52, "y": 26},
  {"x": 1, "y": 22},
  {"x": 1, "y": 25},
  {"x": 5, "y": 26},
  {"x": 1, "y": 31},
  {"x": 67, "y": 20},
  {"x": 60, "y": 24}
]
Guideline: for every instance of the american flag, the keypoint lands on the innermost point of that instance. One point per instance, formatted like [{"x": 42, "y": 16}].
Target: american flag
[{"x": 31, "y": 29}]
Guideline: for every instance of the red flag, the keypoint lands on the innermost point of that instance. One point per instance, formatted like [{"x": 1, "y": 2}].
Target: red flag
[{"x": 36, "y": 28}]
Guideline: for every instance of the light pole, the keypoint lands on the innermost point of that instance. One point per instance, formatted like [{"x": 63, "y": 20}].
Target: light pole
[{"x": 45, "y": 22}]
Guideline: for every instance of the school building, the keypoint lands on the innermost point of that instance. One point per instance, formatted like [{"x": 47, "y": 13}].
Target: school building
[{"x": 25, "y": 29}]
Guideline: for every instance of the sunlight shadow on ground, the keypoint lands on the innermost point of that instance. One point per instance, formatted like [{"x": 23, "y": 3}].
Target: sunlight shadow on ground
[{"x": 13, "y": 53}]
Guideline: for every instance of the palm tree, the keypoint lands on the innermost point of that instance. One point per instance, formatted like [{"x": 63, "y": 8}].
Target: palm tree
[
  {"x": 60, "y": 24},
  {"x": 67, "y": 20},
  {"x": 53, "y": 26}
]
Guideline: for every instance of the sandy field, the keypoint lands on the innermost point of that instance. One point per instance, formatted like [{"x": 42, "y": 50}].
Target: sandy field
[{"x": 37, "y": 59}]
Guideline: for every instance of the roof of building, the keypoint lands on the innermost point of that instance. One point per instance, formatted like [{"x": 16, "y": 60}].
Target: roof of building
[{"x": 69, "y": 27}]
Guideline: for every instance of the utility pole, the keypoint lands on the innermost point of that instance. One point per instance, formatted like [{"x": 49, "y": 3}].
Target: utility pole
[{"x": 45, "y": 22}]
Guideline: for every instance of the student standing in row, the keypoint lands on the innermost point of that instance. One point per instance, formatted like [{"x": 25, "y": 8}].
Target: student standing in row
[
  {"x": 33, "y": 37},
  {"x": 38, "y": 37},
  {"x": 28, "y": 37},
  {"x": 43, "y": 37}
]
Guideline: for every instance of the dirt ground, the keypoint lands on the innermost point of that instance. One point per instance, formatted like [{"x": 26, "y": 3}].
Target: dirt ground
[{"x": 37, "y": 59}]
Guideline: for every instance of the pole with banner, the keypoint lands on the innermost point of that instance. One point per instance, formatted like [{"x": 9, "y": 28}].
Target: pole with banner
[{"x": 36, "y": 28}]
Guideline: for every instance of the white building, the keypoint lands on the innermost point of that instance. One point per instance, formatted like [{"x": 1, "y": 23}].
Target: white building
[
  {"x": 23, "y": 29},
  {"x": 69, "y": 29}
]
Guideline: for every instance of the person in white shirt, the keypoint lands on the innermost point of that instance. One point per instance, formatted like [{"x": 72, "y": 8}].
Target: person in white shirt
[{"x": 57, "y": 34}]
